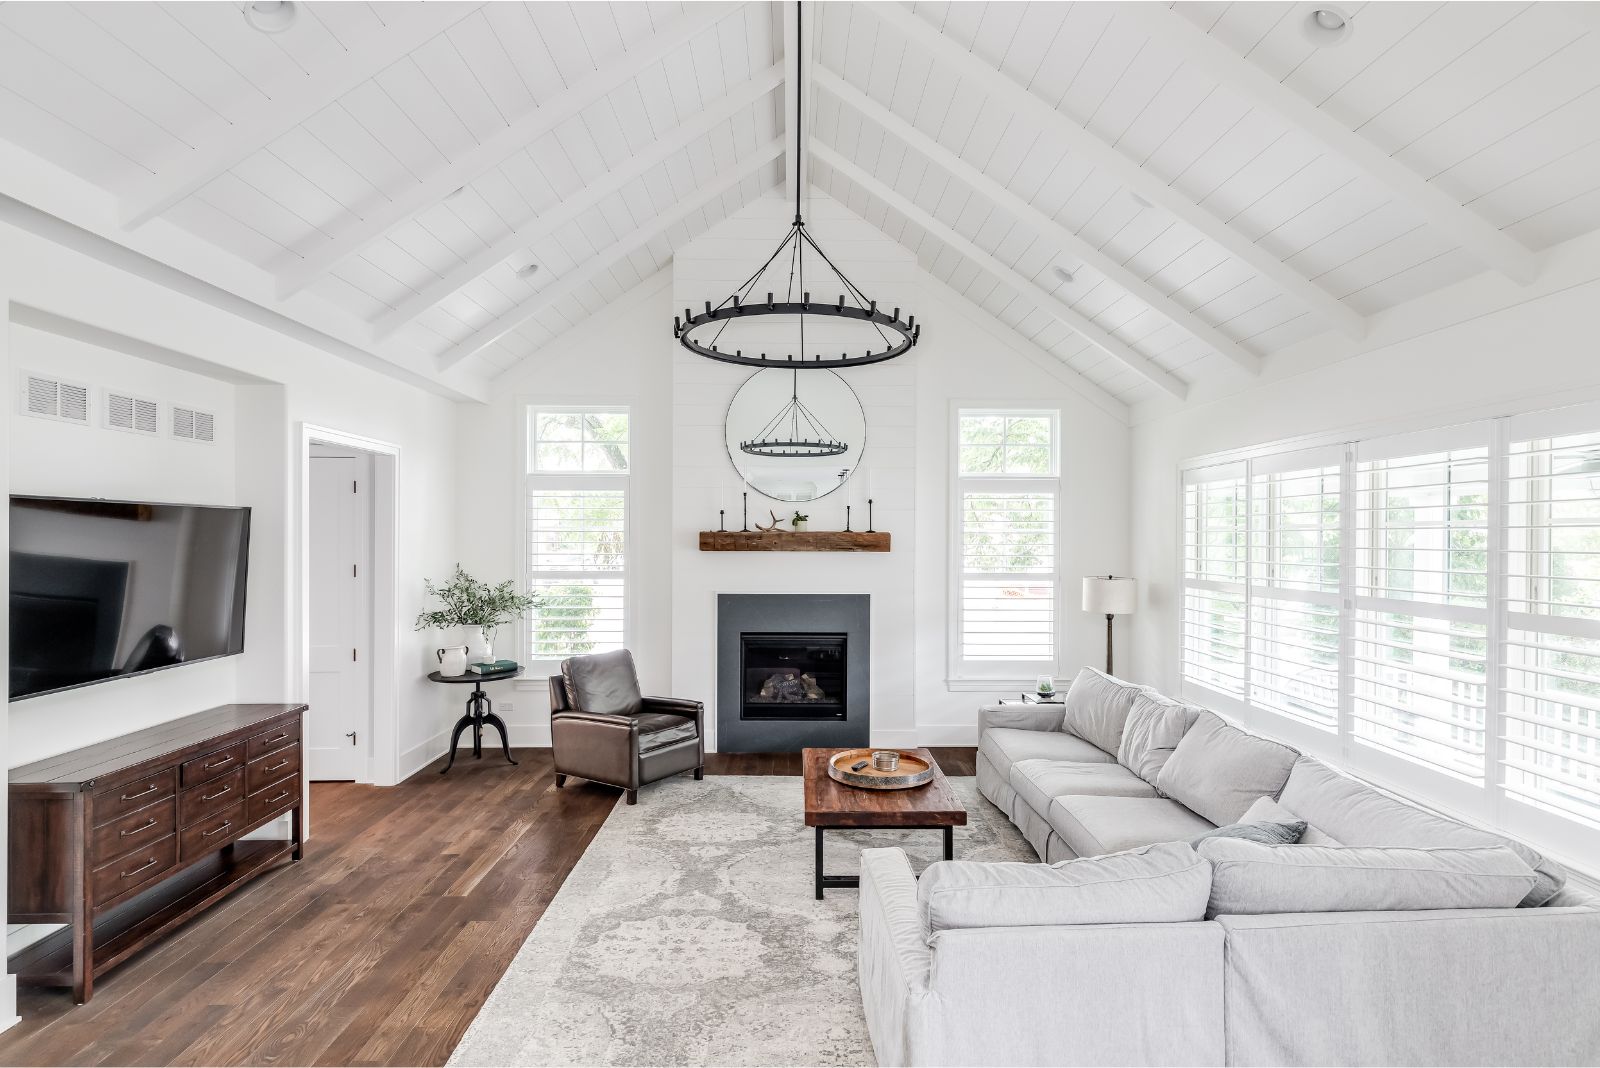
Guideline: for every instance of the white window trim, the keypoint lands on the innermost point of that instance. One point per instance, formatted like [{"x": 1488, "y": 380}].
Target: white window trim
[
  {"x": 1563, "y": 838},
  {"x": 982, "y": 676},
  {"x": 536, "y": 672}
]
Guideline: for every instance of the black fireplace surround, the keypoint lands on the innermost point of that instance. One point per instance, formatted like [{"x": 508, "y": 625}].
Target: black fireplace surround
[{"x": 792, "y": 671}]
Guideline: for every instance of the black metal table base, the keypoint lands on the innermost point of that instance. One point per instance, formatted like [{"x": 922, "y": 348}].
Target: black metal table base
[
  {"x": 845, "y": 882},
  {"x": 480, "y": 711}
]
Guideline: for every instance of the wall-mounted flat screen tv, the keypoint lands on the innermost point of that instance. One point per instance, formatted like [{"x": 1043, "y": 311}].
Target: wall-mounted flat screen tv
[{"x": 103, "y": 590}]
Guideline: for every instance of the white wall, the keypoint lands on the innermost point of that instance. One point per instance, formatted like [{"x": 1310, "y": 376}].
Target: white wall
[{"x": 682, "y": 474}]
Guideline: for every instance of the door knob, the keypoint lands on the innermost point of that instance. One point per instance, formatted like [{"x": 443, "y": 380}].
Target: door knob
[{"x": 351, "y": 735}]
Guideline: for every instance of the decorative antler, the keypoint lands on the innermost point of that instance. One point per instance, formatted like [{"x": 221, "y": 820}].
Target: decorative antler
[{"x": 771, "y": 526}]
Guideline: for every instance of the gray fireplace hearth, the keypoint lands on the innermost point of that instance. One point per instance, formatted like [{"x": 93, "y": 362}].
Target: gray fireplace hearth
[{"x": 792, "y": 671}]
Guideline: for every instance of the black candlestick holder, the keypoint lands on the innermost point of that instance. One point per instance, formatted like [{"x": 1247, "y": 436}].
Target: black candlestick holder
[
  {"x": 847, "y": 519},
  {"x": 869, "y": 517},
  {"x": 745, "y": 526},
  {"x": 722, "y": 520}
]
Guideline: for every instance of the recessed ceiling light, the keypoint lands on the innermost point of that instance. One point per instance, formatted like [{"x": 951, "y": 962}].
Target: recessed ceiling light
[
  {"x": 1325, "y": 25},
  {"x": 1063, "y": 274},
  {"x": 270, "y": 16},
  {"x": 525, "y": 267}
]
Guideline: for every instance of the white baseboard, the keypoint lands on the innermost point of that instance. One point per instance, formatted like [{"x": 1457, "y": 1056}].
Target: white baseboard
[
  {"x": 420, "y": 756},
  {"x": 947, "y": 734},
  {"x": 893, "y": 739}
]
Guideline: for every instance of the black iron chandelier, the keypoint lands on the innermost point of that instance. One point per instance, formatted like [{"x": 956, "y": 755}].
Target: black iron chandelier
[
  {"x": 798, "y": 442},
  {"x": 703, "y": 333}
]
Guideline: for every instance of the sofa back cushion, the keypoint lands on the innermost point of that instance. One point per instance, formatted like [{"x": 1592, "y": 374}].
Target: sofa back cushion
[
  {"x": 1166, "y": 883},
  {"x": 1266, "y": 810},
  {"x": 1219, "y": 770},
  {"x": 1359, "y": 814},
  {"x": 1251, "y": 879},
  {"x": 603, "y": 682},
  {"x": 1097, "y": 708},
  {"x": 1155, "y": 726}
]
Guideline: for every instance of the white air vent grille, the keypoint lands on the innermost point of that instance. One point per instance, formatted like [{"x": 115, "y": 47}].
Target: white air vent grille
[
  {"x": 52, "y": 398},
  {"x": 136, "y": 415},
  {"x": 191, "y": 424}
]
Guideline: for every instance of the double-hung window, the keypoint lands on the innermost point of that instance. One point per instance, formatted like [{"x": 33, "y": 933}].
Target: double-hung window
[
  {"x": 1007, "y": 571},
  {"x": 1214, "y": 576},
  {"x": 577, "y": 530}
]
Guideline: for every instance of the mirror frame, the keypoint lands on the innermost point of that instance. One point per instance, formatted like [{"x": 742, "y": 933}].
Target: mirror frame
[{"x": 734, "y": 460}]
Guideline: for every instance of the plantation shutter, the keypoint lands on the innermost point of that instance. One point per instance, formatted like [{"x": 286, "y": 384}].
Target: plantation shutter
[{"x": 1214, "y": 576}]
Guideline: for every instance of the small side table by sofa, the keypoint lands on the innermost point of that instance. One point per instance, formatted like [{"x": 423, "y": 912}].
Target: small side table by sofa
[{"x": 480, "y": 710}]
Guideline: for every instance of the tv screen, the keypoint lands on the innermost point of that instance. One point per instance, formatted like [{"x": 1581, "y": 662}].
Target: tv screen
[{"x": 105, "y": 589}]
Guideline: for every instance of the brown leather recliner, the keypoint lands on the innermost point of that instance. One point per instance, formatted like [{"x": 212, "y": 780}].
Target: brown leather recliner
[{"x": 603, "y": 730}]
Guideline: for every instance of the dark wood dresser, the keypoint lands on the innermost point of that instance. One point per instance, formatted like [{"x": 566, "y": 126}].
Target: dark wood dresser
[{"x": 127, "y": 838}]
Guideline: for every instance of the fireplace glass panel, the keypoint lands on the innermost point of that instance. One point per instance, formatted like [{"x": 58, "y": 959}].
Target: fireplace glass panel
[{"x": 792, "y": 676}]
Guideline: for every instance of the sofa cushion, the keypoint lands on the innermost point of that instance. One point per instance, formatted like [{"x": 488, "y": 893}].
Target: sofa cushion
[
  {"x": 1218, "y": 770},
  {"x": 1266, "y": 832},
  {"x": 1266, "y": 810},
  {"x": 1251, "y": 879},
  {"x": 1155, "y": 726},
  {"x": 1166, "y": 883},
  {"x": 1358, "y": 814},
  {"x": 1091, "y": 825},
  {"x": 1038, "y": 781},
  {"x": 603, "y": 682},
  {"x": 1097, "y": 708},
  {"x": 1004, "y": 746}
]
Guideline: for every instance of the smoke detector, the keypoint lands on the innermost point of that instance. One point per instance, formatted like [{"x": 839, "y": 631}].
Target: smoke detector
[{"x": 1063, "y": 274}]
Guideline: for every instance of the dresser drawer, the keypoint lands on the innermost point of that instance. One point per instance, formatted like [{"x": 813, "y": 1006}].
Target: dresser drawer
[
  {"x": 208, "y": 767},
  {"x": 114, "y": 802},
  {"x": 277, "y": 738},
  {"x": 134, "y": 830},
  {"x": 211, "y": 834},
  {"x": 272, "y": 767},
  {"x": 135, "y": 869},
  {"x": 199, "y": 802},
  {"x": 275, "y": 799}
]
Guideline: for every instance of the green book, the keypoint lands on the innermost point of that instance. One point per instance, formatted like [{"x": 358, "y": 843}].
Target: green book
[{"x": 491, "y": 668}]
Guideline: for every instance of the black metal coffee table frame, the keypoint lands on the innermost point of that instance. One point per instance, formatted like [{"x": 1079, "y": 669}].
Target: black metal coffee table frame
[
  {"x": 845, "y": 882},
  {"x": 480, "y": 711}
]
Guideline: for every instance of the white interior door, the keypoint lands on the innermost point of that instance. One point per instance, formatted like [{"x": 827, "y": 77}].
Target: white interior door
[{"x": 336, "y": 731}]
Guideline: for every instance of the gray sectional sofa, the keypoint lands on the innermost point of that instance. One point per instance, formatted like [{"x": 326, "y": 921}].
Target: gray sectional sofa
[{"x": 1218, "y": 951}]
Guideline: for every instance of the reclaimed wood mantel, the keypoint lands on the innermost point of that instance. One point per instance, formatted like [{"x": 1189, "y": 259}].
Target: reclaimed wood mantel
[{"x": 791, "y": 541}]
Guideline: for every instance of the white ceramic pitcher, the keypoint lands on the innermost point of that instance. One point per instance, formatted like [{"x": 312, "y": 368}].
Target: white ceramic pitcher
[{"x": 453, "y": 660}]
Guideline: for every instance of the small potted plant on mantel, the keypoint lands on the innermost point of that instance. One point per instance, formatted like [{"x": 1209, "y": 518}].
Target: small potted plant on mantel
[
  {"x": 798, "y": 523},
  {"x": 478, "y": 608}
]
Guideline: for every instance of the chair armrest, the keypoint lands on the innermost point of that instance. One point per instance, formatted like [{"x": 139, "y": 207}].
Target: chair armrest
[
  {"x": 1021, "y": 717},
  {"x": 678, "y": 706}
]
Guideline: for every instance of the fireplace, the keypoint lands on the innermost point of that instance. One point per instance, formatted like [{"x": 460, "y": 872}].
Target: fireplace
[
  {"x": 792, "y": 676},
  {"x": 792, "y": 671}
]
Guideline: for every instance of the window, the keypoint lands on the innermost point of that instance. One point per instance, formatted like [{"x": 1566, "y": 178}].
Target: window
[
  {"x": 1214, "y": 510},
  {"x": 1007, "y": 582},
  {"x": 577, "y": 530}
]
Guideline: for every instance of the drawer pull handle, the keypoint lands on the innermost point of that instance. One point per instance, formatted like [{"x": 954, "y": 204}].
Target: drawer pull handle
[
  {"x": 213, "y": 797},
  {"x": 145, "y": 826},
  {"x": 278, "y": 737},
  {"x": 280, "y": 797},
  {"x": 217, "y": 830},
  {"x": 219, "y": 763},
  {"x": 147, "y": 864},
  {"x": 152, "y": 788},
  {"x": 279, "y": 764}
]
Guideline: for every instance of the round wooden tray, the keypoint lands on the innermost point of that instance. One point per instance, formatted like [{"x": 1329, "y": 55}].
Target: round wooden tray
[{"x": 913, "y": 770}]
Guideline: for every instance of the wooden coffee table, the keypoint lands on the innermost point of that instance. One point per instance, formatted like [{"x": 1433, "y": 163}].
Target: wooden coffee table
[{"x": 929, "y": 807}]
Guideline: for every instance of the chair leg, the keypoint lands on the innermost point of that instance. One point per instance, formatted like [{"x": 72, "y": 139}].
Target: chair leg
[
  {"x": 561, "y": 780},
  {"x": 699, "y": 773},
  {"x": 633, "y": 797}
]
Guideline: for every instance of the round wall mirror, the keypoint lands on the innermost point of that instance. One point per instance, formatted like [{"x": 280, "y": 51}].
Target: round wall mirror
[{"x": 795, "y": 435}]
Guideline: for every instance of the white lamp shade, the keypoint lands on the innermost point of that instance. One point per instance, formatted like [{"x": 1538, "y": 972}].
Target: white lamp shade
[{"x": 1110, "y": 596}]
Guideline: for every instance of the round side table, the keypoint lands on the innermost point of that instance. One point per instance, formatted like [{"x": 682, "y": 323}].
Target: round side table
[{"x": 480, "y": 710}]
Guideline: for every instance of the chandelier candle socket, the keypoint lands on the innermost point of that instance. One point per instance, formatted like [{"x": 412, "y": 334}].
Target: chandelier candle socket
[{"x": 853, "y": 312}]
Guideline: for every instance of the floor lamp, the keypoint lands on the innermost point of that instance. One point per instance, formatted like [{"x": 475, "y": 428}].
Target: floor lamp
[{"x": 1111, "y": 596}]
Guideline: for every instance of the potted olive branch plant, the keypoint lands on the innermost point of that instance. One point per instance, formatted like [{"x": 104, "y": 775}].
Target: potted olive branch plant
[{"x": 476, "y": 606}]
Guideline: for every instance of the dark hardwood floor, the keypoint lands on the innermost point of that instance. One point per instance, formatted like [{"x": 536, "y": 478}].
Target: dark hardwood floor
[{"x": 386, "y": 939}]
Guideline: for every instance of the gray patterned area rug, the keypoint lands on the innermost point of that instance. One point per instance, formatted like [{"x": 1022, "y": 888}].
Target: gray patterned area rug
[{"x": 688, "y": 933}]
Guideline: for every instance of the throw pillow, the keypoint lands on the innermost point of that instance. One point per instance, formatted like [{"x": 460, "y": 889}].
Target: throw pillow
[
  {"x": 1266, "y": 810},
  {"x": 1218, "y": 769},
  {"x": 603, "y": 682},
  {"x": 1263, "y": 833},
  {"x": 1249, "y": 879},
  {"x": 1097, "y": 707},
  {"x": 1155, "y": 726},
  {"x": 1166, "y": 883}
]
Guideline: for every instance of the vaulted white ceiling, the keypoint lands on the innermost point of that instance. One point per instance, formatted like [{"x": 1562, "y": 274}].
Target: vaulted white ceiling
[{"x": 1218, "y": 185}]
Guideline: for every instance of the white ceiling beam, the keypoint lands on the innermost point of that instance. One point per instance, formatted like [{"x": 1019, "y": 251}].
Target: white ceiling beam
[
  {"x": 1059, "y": 235},
  {"x": 1487, "y": 243},
  {"x": 1107, "y": 158},
  {"x": 603, "y": 260},
  {"x": 793, "y": 180},
  {"x": 492, "y": 151},
  {"x": 264, "y": 119},
  {"x": 541, "y": 227},
  {"x": 1046, "y": 301}
]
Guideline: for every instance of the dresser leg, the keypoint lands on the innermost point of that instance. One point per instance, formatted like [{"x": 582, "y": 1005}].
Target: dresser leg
[{"x": 294, "y": 833}]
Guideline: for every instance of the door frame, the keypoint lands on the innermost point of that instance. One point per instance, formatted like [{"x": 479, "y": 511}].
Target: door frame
[{"x": 382, "y": 766}]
